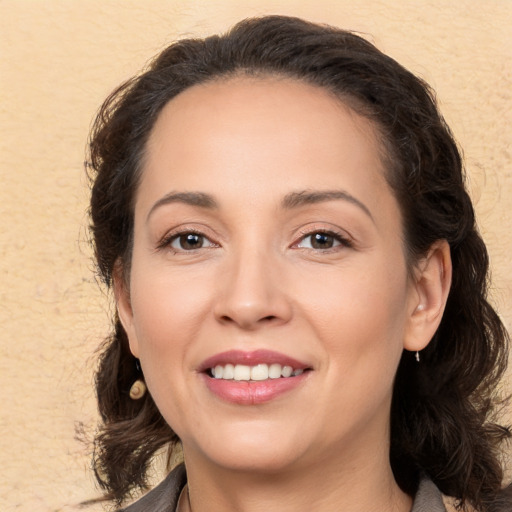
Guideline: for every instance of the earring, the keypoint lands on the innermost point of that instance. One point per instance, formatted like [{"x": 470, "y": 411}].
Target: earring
[
  {"x": 417, "y": 356},
  {"x": 138, "y": 389}
]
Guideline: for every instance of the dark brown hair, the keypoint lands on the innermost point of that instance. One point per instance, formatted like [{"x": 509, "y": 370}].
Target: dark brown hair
[{"x": 442, "y": 418}]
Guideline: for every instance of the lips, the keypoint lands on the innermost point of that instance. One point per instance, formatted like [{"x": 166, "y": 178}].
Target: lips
[{"x": 250, "y": 378}]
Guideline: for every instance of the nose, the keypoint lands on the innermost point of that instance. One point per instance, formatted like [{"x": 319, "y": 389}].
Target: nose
[{"x": 253, "y": 293}]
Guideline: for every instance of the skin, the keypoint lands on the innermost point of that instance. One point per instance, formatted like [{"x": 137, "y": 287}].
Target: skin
[{"x": 257, "y": 282}]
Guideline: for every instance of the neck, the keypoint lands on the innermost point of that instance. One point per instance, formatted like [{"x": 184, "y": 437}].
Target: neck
[{"x": 364, "y": 484}]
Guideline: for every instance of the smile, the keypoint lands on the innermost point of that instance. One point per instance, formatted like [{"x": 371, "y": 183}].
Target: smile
[
  {"x": 259, "y": 372},
  {"x": 254, "y": 377}
]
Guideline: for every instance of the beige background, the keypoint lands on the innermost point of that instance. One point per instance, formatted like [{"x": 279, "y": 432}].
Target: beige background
[{"x": 59, "y": 59}]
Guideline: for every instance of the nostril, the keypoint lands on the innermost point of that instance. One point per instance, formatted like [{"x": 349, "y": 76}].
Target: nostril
[{"x": 228, "y": 319}]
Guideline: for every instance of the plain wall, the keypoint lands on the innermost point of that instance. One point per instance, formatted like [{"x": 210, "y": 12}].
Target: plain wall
[{"x": 58, "y": 61}]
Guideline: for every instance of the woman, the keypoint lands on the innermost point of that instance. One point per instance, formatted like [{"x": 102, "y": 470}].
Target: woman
[{"x": 299, "y": 282}]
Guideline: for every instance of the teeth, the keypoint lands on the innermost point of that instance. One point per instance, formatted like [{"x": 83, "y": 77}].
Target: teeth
[
  {"x": 258, "y": 372},
  {"x": 274, "y": 371},
  {"x": 229, "y": 372},
  {"x": 242, "y": 372},
  {"x": 287, "y": 371}
]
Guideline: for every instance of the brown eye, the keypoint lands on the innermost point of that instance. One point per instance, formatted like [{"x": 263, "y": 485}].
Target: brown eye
[
  {"x": 189, "y": 242},
  {"x": 322, "y": 240}
]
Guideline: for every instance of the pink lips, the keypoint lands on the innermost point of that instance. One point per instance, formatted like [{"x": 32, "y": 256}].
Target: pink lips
[{"x": 251, "y": 392}]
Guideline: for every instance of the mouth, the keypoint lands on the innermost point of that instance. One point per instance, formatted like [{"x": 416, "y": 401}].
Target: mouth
[
  {"x": 250, "y": 378},
  {"x": 256, "y": 365}
]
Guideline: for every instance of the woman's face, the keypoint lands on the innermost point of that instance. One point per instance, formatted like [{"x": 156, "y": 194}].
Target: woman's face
[{"x": 266, "y": 237}]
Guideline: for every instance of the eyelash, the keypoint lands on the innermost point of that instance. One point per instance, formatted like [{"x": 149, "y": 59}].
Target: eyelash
[
  {"x": 343, "y": 241},
  {"x": 166, "y": 242}
]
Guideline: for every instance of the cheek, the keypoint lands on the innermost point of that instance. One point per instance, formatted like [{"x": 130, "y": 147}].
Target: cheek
[
  {"x": 166, "y": 319},
  {"x": 166, "y": 302},
  {"x": 360, "y": 316},
  {"x": 168, "y": 311}
]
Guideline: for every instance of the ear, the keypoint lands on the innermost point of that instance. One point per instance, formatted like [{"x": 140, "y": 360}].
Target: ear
[
  {"x": 124, "y": 306},
  {"x": 429, "y": 292}
]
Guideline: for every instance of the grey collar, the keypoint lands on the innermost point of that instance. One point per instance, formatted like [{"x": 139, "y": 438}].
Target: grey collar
[{"x": 428, "y": 498}]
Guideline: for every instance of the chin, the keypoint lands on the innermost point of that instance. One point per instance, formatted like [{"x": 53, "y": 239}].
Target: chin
[
  {"x": 267, "y": 461},
  {"x": 250, "y": 451}
]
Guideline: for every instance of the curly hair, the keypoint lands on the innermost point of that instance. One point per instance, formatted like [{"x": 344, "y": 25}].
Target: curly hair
[{"x": 443, "y": 416}]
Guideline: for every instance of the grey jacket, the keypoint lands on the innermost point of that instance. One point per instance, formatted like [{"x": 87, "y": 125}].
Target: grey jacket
[{"x": 164, "y": 497}]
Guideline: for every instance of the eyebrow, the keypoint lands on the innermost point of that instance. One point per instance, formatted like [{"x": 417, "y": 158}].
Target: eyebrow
[
  {"x": 199, "y": 199},
  {"x": 290, "y": 201},
  {"x": 306, "y": 197}
]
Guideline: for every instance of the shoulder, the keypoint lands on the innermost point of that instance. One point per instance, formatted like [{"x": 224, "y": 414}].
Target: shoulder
[
  {"x": 164, "y": 497},
  {"x": 428, "y": 498}
]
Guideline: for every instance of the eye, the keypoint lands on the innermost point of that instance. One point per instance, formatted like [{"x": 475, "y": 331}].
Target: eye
[
  {"x": 189, "y": 241},
  {"x": 322, "y": 240}
]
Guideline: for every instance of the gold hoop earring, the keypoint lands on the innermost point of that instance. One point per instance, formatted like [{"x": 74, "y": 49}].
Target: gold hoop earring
[{"x": 138, "y": 389}]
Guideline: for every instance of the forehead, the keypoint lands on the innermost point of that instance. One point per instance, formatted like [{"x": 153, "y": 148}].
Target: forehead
[
  {"x": 245, "y": 101},
  {"x": 257, "y": 132}
]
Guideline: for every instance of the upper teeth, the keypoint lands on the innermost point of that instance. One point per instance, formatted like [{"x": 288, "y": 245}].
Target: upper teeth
[{"x": 258, "y": 372}]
